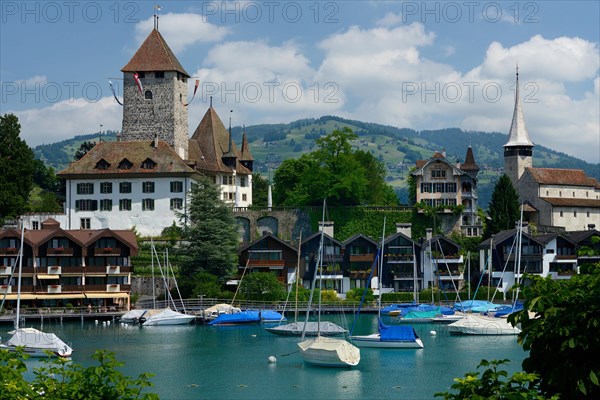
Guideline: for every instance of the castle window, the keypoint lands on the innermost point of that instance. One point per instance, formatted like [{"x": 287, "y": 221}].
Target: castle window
[
  {"x": 124, "y": 187},
  {"x": 180, "y": 97},
  {"x": 141, "y": 75},
  {"x": 547, "y": 193},
  {"x": 148, "y": 187},
  {"x": 85, "y": 223},
  {"x": 176, "y": 187},
  {"x": 588, "y": 214},
  {"x": 85, "y": 188},
  {"x": 176, "y": 204},
  {"x": 244, "y": 197},
  {"x": 575, "y": 214},
  {"x": 587, "y": 194},
  {"x": 148, "y": 164},
  {"x": 106, "y": 205},
  {"x": 560, "y": 194},
  {"x": 102, "y": 165},
  {"x": 148, "y": 95},
  {"x": 105, "y": 187},
  {"x": 125, "y": 205},
  {"x": 573, "y": 194},
  {"x": 86, "y": 205},
  {"x": 125, "y": 164},
  {"x": 243, "y": 181},
  {"x": 159, "y": 74},
  {"x": 561, "y": 214},
  {"x": 147, "y": 204}
]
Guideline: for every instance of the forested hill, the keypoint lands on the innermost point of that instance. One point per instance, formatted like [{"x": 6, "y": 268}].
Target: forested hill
[{"x": 399, "y": 148}]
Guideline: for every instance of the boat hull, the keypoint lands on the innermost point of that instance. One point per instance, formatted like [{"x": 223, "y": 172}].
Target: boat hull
[
  {"x": 329, "y": 352},
  {"x": 481, "y": 325},
  {"x": 374, "y": 341},
  {"x": 325, "y": 328}
]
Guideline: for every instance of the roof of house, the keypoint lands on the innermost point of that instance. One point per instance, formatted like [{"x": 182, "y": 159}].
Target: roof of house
[
  {"x": 579, "y": 236},
  {"x": 267, "y": 236},
  {"x": 560, "y": 176},
  {"x": 154, "y": 55},
  {"x": 357, "y": 237},
  {"x": 210, "y": 142},
  {"x": 110, "y": 158},
  {"x": 571, "y": 202},
  {"x": 436, "y": 157}
]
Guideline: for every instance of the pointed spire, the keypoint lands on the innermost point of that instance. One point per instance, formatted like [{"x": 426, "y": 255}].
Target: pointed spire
[
  {"x": 246, "y": 154},
  {"x": 518, "y": 135},
  {"x": 231, "y": 152},
  {"x": 469, "y": 164}
]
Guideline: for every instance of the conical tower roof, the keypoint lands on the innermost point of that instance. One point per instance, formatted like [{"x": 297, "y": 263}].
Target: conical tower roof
[
  {"x": 213, "y": 140},
  {"x": 518, "y": 135},
  {"x": 154, "y": 55},
  {"x": 469, "y": 164},
  {"x": 246, "y": 155}
]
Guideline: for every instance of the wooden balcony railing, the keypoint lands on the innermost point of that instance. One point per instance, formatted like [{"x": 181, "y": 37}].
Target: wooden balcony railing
[
  {"x": 107, "y": 251},
  {"x": 362, "y": 257},
  {"x": 266, "y": 263},
  {"x": 9, "y": 251},
  {"x": 59, "y": 251}
]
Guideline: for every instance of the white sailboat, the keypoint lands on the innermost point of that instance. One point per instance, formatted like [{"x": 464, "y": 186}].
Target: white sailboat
[
  {"x": 33, "y": 342},
  {"x": 321, "y": 350},
  {"x": 388, "y": 336},
  {"x": 166, "y": 316}
]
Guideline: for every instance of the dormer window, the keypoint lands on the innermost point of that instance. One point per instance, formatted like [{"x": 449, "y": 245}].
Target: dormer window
[
  {"x": 148, "y": 95},
  {"x": 102, "y": 164},
  {"x": 148, "y": 164},
  {"x": 125, "y": 164},
  {"x": 159, "y": 74}
]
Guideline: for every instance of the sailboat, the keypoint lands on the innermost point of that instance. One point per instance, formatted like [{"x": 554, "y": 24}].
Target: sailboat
[
  {"x": 166, "y": 316},
  {"x": 310, "y": 328},
  {"x": 387, "y": 336},
  {"x": 321, "y": 350},
  {"x": 34, "y": 342}
]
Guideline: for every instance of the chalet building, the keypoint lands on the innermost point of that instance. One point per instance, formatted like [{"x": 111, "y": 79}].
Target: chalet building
[
  {"x": 443, "y": 265},
  {"x": 143, "y": 180},
  {"x": 441, "y": 183},
  {"x": 359, "y": 252},
  {"x": 60, "y": 267},
  {"x": 402, "y": 270},
  {"x": 270, "y": 254},
  {"x": 565, "y": 198},
  {"x": 548, "y": 255},
  {"x": 332, "y": 276}
]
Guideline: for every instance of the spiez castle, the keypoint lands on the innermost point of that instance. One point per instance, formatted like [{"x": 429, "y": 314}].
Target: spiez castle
[{"x": 144, "y": 178}]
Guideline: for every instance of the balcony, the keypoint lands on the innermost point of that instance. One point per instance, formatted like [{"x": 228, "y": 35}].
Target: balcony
[
  {"x": 4, "y": 270},
  {"x": 266, "y": 263},
  {"x": 399, "y": 258},
  {"x": 113, "y": 287},
  {"x": 54, "y": 270},
  {"x": 107, "y": 251},
  {"x": 60, "y": 251},
  {"x": 110, "y": 287},
  {"x": 95, "y": 269},
  {"x": 361, "y": 257},
  {"x": 54, "y": 289},
  {"x": 5, "y": 289},
  {"x": 9, "y": 251},
  {"x": 72, "y": 288}
]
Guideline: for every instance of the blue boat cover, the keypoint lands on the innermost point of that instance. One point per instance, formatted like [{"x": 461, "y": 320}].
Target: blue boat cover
[
  {"x": 396, "y": 332},
  {"x": 247, "y": 317}
]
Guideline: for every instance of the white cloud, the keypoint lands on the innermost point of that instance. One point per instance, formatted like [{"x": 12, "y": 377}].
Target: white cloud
[
  {"x": 68, "y": 118},
  {"x": 182, "y": 30},
  {"x": 390, "y": 19},
  {"x": 34, "y": 80}
]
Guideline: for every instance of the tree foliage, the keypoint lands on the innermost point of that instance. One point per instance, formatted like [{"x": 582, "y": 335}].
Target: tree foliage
[
  {"x": 83, "y": 149},
  {"x": 262, "y": 286},
  {"x": 333, "y": 171},
  {"x": 563, "y": 335},
  {"x": 504, "y": 207},
  {"x": 211, "y": 232},
  {"x": 62, "y": 379},
  {"x": 260, "y": 191},
  {"x": 17, "y": 166},
  {"x": 494, "y": 383}
]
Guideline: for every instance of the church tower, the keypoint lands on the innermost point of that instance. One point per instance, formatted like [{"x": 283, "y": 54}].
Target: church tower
[
  {"x": 518, "y": 150},
  {"x": 155, "y": 95}
]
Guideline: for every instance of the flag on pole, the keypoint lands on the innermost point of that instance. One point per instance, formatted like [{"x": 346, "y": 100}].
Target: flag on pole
[
  {"x": 138, "y": 83},
  {"x": 112, "y": 88},
  {"x": 193, "y": 95}
]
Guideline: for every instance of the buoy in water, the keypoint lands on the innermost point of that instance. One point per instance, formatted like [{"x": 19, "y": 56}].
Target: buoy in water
[
  {"x": 432, "y": 333},
  {"x": 272, "y": 359},
  {"x": 96, "y": 321}
]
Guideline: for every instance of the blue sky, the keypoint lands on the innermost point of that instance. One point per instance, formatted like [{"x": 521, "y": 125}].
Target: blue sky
[{"x": 422, "y": 65}]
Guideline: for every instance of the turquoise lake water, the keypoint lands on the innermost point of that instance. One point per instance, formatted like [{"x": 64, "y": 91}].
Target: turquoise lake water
[{"x": 204, "y": 362}]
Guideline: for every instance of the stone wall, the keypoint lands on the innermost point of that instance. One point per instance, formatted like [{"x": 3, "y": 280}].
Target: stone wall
[{"x": 284, "y": 224}]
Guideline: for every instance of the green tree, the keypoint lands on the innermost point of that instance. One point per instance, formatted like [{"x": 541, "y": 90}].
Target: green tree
[
  {"x": 504, "y": 207},
  {"x": 83, "y": 149},
  {"x": 262, "y": 286},
  {"x": 18, "y": 167},
  {"x": 562, "y": 336},
  {"x": 260, "y": 191},
  {"x": 200, "y": 283},
  {"x": 62, "y": 379},
  {"x": 334, "y": 171},
  {"x": 411, "y": 181},
  {"x": 211, "y": 232}
]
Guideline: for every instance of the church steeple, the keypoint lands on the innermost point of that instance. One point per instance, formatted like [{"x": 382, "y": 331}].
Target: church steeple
[{"x": 518, "y": 150}]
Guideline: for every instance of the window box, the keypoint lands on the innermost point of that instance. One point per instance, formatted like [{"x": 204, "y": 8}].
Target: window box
[
  {"x": 108, "y": 249},
  {"x": 54, "y": 286},
  {"x": 11, "y": 249}
]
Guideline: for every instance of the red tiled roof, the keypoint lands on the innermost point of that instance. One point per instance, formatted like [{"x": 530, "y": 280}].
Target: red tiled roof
[
  {"x": 154, "y": 55},
  {"x": 167, "y": 161},
  {"x": 559, "y": 176}
]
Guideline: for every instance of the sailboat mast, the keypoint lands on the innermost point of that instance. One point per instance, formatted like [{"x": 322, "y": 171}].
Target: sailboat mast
[
  {"x": 519, "y": 244},
  {"x": 298, "y": 274},
  {"x": 19, "y": 277},
  {"x": 415, "y": 282},
  {"x": 153, "y": 285},
  {"x": 380, "y": 271}
]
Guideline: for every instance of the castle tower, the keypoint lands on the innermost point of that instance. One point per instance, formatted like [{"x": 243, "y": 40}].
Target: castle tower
[
  {"x": 154, "y": 102},
  {"x": 519, "y": 148}
]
